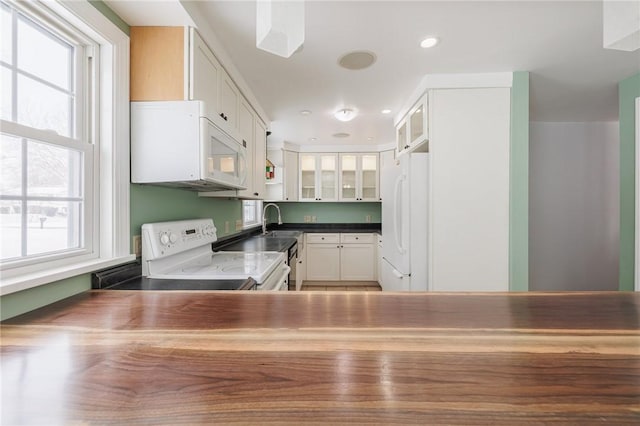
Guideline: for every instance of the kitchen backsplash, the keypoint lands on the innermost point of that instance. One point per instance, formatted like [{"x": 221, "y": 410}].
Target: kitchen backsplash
[{"x": 312, "y": 212}]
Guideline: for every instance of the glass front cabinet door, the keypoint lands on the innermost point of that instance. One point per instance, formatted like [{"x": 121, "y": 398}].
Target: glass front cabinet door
[
  {"x": 359, "y": 177},
  {"x": 318, "y": 177},
  {"x": 307, "y": 177}
]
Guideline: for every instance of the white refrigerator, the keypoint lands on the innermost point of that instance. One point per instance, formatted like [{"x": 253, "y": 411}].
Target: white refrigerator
[{"x": 404, "y": 186}]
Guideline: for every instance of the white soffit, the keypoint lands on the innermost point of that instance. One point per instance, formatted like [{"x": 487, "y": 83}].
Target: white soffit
[
  {"x": 151, "y": 12},
  {"x": 621, "y": 24}
]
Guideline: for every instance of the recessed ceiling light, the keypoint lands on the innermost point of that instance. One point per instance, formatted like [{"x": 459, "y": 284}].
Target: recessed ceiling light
[
  {"x": 345, "y": 114},
  {"x": 357, "y": 60},
  {"x": 370, "y": 138},
  {"x": 341, "y": 135},
  {"x": 386, "y": 111},
  {"x": 305, "y": 112},
  {"x": 313, "y": 139},
  {"x": 429, "y": 42}
]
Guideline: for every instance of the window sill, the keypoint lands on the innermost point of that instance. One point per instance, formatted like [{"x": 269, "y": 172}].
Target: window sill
[{"x": 27, "y": 281}]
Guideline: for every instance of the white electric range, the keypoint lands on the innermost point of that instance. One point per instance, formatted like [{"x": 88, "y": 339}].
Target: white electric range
[{"x": 182, "y": 250}]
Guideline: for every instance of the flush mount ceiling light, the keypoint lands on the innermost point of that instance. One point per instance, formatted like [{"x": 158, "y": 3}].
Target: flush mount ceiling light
[
  {"x": 386, "y": 111},
  {"x": 357, "y": 60},
  {"x": 341, "y": 135},
  {"x": 345, "y": 114},
  {"x": 279, "y": 26},
  {"x": 305, "y": 112},
  {"x": 429, "y": 42}
]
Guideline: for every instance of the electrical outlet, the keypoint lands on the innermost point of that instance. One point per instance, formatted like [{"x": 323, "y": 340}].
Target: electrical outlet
[
  {"x": 137, "y": 245},
  {"x": 226, "y": 227},
  {"x": 313, "y": 219},
  {"x": 307, "y": 219},
  {"x": 239, "y": 225},
  {"x": 368, "y": 218}
]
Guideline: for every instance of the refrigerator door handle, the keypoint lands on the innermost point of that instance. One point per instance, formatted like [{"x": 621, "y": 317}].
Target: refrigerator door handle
[{"x": 397, "y": 195}]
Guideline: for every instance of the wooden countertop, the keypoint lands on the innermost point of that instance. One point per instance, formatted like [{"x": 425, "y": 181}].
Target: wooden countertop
[{"x": 134, "y": 357}]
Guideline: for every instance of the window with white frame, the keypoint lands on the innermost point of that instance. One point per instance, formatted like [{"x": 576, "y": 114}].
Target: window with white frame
[
  {"x": 54, "y": 214},
  {"x": 47, "y": 156},
  {"x": 251, "y": 211}
]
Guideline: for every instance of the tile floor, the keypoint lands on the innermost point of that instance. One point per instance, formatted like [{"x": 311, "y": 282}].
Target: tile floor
[{"x": 341, "y": 286}]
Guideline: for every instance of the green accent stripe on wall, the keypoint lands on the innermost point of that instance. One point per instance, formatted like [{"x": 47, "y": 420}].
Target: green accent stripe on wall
[
  {"x": 111, "y": 15},
  {"x": 519, "y": 184},
  {"x": 628, "y": 91},
  {"x": 328, "y": 212}
]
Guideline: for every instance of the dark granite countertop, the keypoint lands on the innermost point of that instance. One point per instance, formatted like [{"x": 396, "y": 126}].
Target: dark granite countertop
[{"x": 260, "y": 243}]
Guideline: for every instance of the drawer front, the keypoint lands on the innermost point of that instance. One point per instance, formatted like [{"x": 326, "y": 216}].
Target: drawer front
[
  {"x": 323, "y": 238},
  {"x": 357, "y": 238}
]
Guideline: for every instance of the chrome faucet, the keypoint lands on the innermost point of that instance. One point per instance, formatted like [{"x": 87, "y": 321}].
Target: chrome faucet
[{"x": 264, "y": 217}]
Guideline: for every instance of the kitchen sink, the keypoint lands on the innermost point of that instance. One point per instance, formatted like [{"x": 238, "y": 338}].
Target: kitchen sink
[{"x": 283, "y": 234}]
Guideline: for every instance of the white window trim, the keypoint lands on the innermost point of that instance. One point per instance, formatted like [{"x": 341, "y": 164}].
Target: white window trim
[
  {"x": 114, "y": 208},
  {"x": 258, "y": 222}
]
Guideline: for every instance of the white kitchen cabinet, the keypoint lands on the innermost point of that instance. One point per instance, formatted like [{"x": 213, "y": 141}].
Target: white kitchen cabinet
[
  {"x": 412, "y": 131},
  {"x": 341, "y": 257},
  {"x": 290, "y": 176},
  {"x": 359, "y": 177},
  {"x": 318, "y": 177},
  {"x": 228, "y": 100},
  {"x": 205, "y": 73},
  {"x": 246, "y": 128},
  {"x": 260, "y": 159},
  {"x": 323, "y": 261}
]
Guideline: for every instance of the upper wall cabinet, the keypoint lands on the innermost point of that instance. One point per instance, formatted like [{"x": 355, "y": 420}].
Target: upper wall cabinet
[
  {"x": 412, "y": 131},
  {"x": 318, "y": 177},
  {"x": 359, "y": 177},
  {"x": 174, "y": 63}
]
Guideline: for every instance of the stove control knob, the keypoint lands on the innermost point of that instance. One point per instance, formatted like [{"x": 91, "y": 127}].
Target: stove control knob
[
  {"x": 164, "y": 239},
  {"x": 173, "y": 237}
]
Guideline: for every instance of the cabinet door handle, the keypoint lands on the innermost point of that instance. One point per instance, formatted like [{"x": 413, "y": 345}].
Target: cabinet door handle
[
  {"x": 356, "y": 238},
  {"x": 256, "y": 194},
  {"x": 322, "y": 238}
]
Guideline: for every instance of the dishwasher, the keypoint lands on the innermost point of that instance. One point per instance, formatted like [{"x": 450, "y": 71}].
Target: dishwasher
[{"x": 293, "y": 261}]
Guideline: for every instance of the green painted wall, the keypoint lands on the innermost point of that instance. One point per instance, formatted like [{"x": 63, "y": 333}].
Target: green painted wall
[
  {"x": 628, "y": 91},
  {"x": 24, "y": 301},
  {"x": 157, "y": 204},
  {"x": 519, "y": 184},
  {"x": 328, "y": 212}
]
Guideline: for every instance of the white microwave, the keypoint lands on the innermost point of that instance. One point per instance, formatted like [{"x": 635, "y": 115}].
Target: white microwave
[{"x": 174, "y": 144}]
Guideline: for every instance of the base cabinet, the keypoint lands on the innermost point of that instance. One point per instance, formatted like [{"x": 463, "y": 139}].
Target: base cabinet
[
  {"x": 323, "y": 262},
  {"x": 341, "y": 257}
]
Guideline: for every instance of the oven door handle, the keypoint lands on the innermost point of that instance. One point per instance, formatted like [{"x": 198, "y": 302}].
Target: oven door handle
[{"x": 276, "y": 285}]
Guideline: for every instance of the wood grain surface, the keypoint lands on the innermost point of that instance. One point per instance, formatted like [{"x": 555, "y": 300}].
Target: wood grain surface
[{"x": 133, "y": 357}]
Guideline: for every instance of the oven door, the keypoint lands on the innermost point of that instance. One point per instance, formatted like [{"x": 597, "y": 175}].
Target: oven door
[{"x": 277, "y": 281}]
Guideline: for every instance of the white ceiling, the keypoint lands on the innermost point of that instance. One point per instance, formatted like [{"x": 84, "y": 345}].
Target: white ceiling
[{"x": 573, "y": 78}]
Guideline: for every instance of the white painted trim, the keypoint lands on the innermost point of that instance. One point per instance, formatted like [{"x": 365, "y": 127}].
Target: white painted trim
[
  {"x": 36, "y": 279},
  {"x": 637, "y": 194},
  {"x": 454, "y": 81},
  {"x": 113, "y": 206}
]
